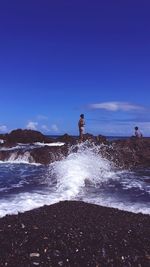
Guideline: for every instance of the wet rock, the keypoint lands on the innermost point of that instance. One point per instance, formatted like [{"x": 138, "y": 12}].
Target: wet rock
[
  {"x": 67, "y": 139},
  {"x": 100, "y": 139},
  {"x": 46, "y": 155}
]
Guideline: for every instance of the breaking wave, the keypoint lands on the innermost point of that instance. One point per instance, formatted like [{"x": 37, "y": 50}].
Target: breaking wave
[{"x": 83, "y": 175}]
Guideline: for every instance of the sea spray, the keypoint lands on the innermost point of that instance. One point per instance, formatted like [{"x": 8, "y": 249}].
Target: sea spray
[
  {"x": 83, "y": 163},
  {"x": 17, "y": 157}
]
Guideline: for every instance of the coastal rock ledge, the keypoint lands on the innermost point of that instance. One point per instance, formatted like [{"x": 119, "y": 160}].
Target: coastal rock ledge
[
  {"x": 124, "y": 153},
  {"x": 72, "y": 233}
]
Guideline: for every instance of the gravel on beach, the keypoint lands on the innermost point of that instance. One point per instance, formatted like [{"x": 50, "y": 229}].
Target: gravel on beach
[{"x": 74, "y": 233}]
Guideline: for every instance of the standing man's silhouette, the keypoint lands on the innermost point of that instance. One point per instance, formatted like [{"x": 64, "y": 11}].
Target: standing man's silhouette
[{"x": 81, "y": 125}]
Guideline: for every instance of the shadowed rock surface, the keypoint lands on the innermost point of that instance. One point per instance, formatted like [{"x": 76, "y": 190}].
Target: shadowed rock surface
[
  {"x": 30, "y": 136},
  {"x": 24, "y": 136},
  {"x": 68, "y": 139},
  {"x": 46, "y": 155},
  {"x": 131, "y": 152},
  {"x": 75, "y": 234},
  {"x": 42, "y": 155},
  {"x": 72, "y": 140}
]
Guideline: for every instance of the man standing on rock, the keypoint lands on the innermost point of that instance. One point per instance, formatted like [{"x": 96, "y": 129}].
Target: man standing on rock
[
  {"x": 138, "y": 134},
  {"x": 81, "y": 125}
]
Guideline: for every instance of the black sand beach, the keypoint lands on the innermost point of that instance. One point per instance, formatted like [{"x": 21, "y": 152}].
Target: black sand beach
[{"x": 72, "y": 233}]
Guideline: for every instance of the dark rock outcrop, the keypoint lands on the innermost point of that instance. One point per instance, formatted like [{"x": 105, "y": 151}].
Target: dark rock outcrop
[
  {"x": 4, "y": 155},
  {"x": 25, "y": 136},
  {"x": 131, "y": 152},
  {"x": 100, "y": 139},
  {"x": 3, "y": 136},
  {"x": 68, "y": 139},
  {"x": 46, "y": 155},
  {"x": 75, "y": 234},
  {"x": 42, "y": 155}
]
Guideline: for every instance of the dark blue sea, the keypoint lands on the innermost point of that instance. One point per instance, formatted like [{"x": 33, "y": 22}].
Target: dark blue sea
[{"x": 83, "y": 175}]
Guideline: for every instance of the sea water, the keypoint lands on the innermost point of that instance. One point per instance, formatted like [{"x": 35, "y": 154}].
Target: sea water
[{"x": 83, "y": 175}]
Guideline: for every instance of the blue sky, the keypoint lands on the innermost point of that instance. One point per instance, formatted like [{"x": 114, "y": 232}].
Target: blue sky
[{"x": 59, "y": 59}]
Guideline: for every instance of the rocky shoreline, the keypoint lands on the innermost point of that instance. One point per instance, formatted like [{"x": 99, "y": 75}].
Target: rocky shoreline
[
  {"x": 72, "y": 233},
  {"x": 128, "y": 153}
]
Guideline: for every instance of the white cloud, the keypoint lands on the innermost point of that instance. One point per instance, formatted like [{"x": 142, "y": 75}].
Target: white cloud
[
  {"x": 42, "y": 117},
  {"x": 54, "y": 128},
  {"x": 115, "y": 106},
  {"x": 3, "y": 128},
  {"x": 45, "y": 128},
  {"x": 32, "y": 125},
  {"x": 35, "y": 125}
]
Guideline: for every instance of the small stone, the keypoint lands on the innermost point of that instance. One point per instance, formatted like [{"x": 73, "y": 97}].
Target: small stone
[
  {"x": 60, "y": 263},
  {"x": 147, "y": 256},
  {"x": 56, "y": 253},
  {"x": 22, "y": 226},
  {"x": 34, "y": 254},
  {"x": 45, "y": 237},
  {"x": 103, "y": 252},
  {"x": 35, "y": 227}
]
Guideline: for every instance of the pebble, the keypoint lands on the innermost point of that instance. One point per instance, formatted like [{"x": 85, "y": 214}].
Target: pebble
[{"x": 34, "y": 254}]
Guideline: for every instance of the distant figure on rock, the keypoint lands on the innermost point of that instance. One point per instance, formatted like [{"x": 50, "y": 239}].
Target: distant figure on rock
[
  {"x": 81, "y": 125},
  {"x": 138, "y": 133}
]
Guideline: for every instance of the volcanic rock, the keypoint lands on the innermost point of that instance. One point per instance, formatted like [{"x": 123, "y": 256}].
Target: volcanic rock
[
  {"x": 125, "y": 153},
  {"x": 26, "y": 136},
  {"x": 46, "y": 155},
  {"x": 68, "y": 139},
  {"x": 75, "y": 234},
  {"x": 131, "y": 152}
]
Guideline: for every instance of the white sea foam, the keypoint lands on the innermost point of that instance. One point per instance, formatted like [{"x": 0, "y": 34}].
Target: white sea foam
[
  {"x": 27, "y": 201},
  {"x": 23, "y": 202},
  {"x": 20, "y": 158},
  {"x": 17, "y": 158},
  {"x": 10, "y": 148},
  {"x": 84, "y": 165},
  {"x": 113, "y": 202},
  {"x": 20, "y": 146},
  {"x": 49, "y": 144}
]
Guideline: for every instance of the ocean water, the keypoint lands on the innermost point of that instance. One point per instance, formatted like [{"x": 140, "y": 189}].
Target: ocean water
[{"x": 83, "y": 175}]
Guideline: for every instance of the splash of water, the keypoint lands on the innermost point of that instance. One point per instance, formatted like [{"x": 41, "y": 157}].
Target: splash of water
[
  {"x": 16, "y": 157},
  {"x": 84, "y": 163}
]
